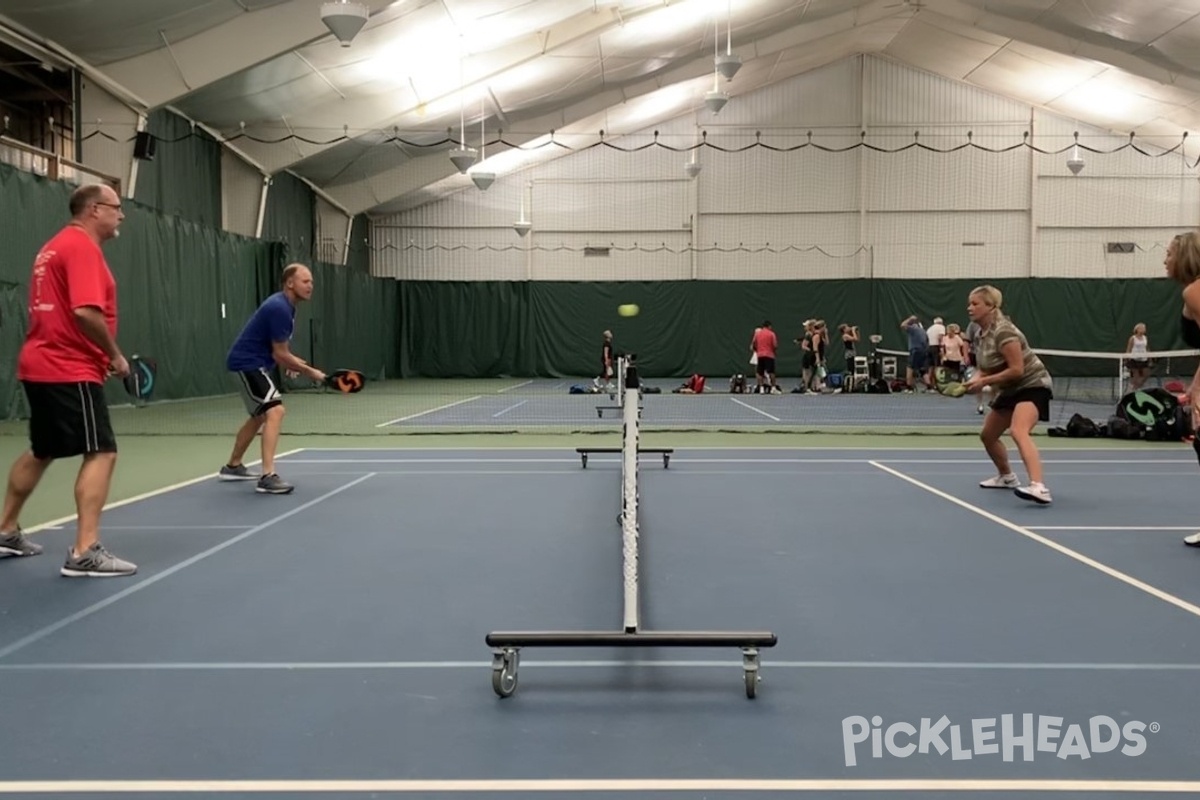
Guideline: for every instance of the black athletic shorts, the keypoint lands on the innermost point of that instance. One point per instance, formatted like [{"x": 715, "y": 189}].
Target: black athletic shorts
[
  {"x": 1038, "y": 395},
  {"x": 68, "y": 419},
  {"x": 258, "y": 391}
]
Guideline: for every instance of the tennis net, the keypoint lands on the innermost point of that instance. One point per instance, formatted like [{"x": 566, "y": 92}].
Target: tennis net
[{"x": 1090, "y": 383}]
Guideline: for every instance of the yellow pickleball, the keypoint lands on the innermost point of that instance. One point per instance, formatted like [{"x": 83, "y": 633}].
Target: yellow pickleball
[{"x": 628, "y": 310}]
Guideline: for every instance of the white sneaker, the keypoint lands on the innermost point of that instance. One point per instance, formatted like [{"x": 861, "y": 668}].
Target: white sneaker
[
  {"x": 1193, "y": 540},
  {"x": 1035, "y": 492},
  {"x": 1008, "y": 481}
]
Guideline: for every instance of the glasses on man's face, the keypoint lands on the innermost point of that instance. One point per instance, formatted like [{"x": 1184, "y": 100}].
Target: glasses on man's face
[{"x": 117, "y": 206}]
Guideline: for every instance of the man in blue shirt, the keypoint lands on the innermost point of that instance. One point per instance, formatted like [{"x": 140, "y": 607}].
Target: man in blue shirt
[
  {"x": 918, "y": 352},
  {"x": 262, "y": 344}
]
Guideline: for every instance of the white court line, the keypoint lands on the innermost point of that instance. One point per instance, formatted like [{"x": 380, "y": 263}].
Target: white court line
[
  {"x": 973, "y": 447},
  {"x": 108, "y": 527},
  {"x": 444, "y": 473},
  {"x": 985, "y": 459},
  {"x": 1107, "y": 570},
  {"x": 574, "y": 460},
  {"x": 430, "y": 411},
  {"x": 562, "y": 786},
  {"x": 1114, "y": 527},
  {"x": 510, "y": 408},
  {"x": 319, "y": 666},
  {"x": 510, "y": 388},
  {"x": 455, "y": 473},
  {"x": 55, "y": 524},
  {"x": 755, "y": 410},
  {"x": 137, "y": 587}
]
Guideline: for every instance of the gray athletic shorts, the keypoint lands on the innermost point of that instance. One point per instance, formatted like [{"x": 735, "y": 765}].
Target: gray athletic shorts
[{"x": 258, "y": 391}]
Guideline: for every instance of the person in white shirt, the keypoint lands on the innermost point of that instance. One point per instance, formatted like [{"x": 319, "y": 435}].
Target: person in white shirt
[
  {"x": 935, "y": 332},
  {"x": 1138, "y": 362}
]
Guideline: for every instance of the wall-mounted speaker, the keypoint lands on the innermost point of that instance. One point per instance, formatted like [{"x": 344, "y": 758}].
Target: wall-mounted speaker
[{"x": 144, "y": 146}]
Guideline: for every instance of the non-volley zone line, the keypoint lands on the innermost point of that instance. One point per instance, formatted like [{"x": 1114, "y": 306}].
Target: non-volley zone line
[{"x": 566, "y": 785}]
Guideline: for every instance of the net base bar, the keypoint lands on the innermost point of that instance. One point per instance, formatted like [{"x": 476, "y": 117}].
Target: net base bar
[
  {"x": 639, "y": 638},
  {"x": 506, "y": 648},
  {"x": 665, "y": 452}
]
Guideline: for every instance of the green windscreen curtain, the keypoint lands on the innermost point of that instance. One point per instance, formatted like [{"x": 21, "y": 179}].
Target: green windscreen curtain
[
  {"x": 351, "y": 322},
  {"x": 184, "y": 178},
  {"x": 291, "y": 217},
  {"x": 553, "y": 329},
  {"x": 1053, "y": 313},
  {"x": 42, "y": 212},
  {"x": 184, "y": 292},
  {"x": 467, "y": 329}
]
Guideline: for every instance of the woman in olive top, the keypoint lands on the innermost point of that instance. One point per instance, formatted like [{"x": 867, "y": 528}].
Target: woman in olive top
[{"x": 1021, "y": 393}]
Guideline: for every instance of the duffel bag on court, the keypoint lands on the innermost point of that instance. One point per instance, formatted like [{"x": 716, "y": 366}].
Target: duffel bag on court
[{"x": 1157, "y": 412}]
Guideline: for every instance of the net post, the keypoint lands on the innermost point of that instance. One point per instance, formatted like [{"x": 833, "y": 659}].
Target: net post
[
  {"x": 629, "y": 497},
  {"x": 622, "y": 365}
]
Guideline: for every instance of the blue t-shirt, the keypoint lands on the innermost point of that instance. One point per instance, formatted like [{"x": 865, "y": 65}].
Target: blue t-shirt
[
  {"x": 272, "y": 322},
  {"x": 918, "y": 339}
]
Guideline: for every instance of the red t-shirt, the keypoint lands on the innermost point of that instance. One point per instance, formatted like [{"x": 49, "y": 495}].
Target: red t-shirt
[
  {"x": 765, "y": 343},
  {"x": 70, "y": 272}
]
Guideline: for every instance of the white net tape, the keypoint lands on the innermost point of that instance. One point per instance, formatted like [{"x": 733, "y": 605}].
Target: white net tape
[{"x": 629, "y": 507}]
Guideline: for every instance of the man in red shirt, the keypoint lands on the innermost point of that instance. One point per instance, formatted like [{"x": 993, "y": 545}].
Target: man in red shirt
[
  {"x": 765, "y": 344},
  {"x": 69, "y": 351}
]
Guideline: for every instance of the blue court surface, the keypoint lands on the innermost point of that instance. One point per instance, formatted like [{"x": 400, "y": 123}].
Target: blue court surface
[{"x": 935, "y": 639}]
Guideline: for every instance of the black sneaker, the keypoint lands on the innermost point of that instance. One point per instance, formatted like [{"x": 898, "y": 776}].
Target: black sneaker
[{"x": 273, "y": 484}]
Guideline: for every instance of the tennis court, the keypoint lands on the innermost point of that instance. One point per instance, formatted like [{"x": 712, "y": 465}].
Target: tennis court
[{"x": 930, "y": 636}]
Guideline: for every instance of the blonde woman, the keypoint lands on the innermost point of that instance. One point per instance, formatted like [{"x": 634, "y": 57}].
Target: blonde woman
[
  {"x": 1183, "y": 267},
  {"x": 954, "y": 351},
  {"x": 1138, "y": 362},
  {"x": 1022, "y": 393}
]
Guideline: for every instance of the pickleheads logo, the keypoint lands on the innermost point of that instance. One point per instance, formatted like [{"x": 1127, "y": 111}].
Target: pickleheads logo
[{"x": 981, "y": 737}]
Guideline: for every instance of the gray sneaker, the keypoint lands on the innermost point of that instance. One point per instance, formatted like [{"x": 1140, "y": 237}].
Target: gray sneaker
[
  {"x": 238, "y": 473},
  {"x": 273, "y": 484},
  {"x": 96, "y": 562},
  {"x": 18, "y": 544}
]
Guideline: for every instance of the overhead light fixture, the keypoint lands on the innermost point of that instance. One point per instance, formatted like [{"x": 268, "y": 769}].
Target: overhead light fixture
[
  {"x": 522, "y": 226},
  {"x": 1075, "y": 163},
  {"x": 715, "y": 100},
  {"x": 728, "y": 64},
  {"x": 482, "y": 178},
  {"x": 344, "y": 19},
  {"x": 463, "y": 158}
]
